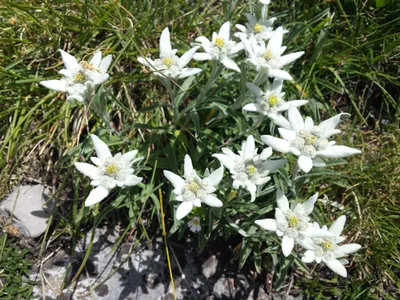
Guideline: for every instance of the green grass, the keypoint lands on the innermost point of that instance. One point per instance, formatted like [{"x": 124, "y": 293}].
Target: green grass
[{"x": 352, "y": 63}]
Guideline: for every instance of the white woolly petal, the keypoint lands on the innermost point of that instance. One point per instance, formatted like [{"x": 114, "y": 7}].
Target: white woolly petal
[
  {"x": 101, "y": 148},
  {"x": 336, "y": 267},
  {"x": 257, "y": 92},
  {"x": 129, "y": 156},
  {"x": 202, "y": 56},
  {"x": 288, "y": 135},
  {"x": 338, "y": 151},
  {"x": 165, "y": 43},
  {"x": 281, "y": 200},
  {"x": 308, "y": 257},
  {"x": 225, "y": 31},
  {"x": 96, "y": 59},
  {"x": 70, "y": 62},
  {"x": 295, "y": 119},
  {"x": 267, "y": 152},
  {"x": 227, "y": 161},
  {"x": 280, "y": 121},
  {"x": 287, "y": 245},
  {"x": 96, "y": 195},
  {"x": 281, "y": 74},
  {"x": 337, "y": 226},
  {"x": 308, "y": 206},
  {"x": 249, "y": 148},
  {"x": 308, "y": 123},
  {"x": 87, "y": 170},
  {"x": 176, "y": 181},
  {"x": 276, "y": 143},
  {"x": 230, "y": 64},
  {"x": 267, "y": 224},
  {"x": 287, "y": 59},
  {"x": 252, "y": 188},
  {"x": 349, "y": 248},
  {"x": 314, "y": 232},
  {"x": 186, "y": 72},
  {"x": 305, "y": 163},
  {"x": 212, "y": 201},
  {"x": 251, "y": 107},
  {"x": 132, "y": 180},
  {"x": 105, "y": 63},
  {"x": 188, "y": 167},
  {"x": 56, "y": 85},
  {"x": 185, "y": 58},
  {"x": 215, "y": 177},
  {"x": 184, "y": 209}
]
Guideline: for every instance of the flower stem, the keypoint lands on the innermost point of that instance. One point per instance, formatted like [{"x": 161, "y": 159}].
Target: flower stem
[{"x": 215, "y": 71}]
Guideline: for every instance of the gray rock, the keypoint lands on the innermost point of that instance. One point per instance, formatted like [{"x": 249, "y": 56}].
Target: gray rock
[
  {"x": 25, "y": 204},
  {"x": 209, "y": 267}
]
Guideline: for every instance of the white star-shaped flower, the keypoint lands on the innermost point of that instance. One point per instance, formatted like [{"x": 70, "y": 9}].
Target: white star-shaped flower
[
  {"x": 292, "y": 223},
  {"x": 309, "y": 142},
  {"x": 249, "y": 169},
  {"x": 220, "y": 48},
  {"x": 271, "y": 102},
  {"x": 268, "y": 58},
  {"x": 80, "y": 79},
  {"x": 109, "y": 171},
  {"x": 327, "y": 249},
  {"x": 191, "y": 190},
  {"x": 194, "y": 224},
  {"x": 169, "y": 64},
  {"x": 256, "y": 30}
]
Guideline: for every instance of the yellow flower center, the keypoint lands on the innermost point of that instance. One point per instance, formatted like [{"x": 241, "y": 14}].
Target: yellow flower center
[
  {"x": 219, "y": 42},
  {"x": 293, "y": 221},
  {"x": 12, "y": 20},
  {"x": 168, "y": 62},
  {"x": 194, "y": 187},
  {"x": 268, "y": 55},
  {"x": 258, "y": 28},
  {"x": 195, "y": 222},
  {"x": 273, "y": 100},
  {"x": 327, "y": 245},
  {"x": 251, "y": 170},
  {"x": 80, "y": 77},
  {"x": 112, "y": 170},
  {"x": 310, "y": 140}
]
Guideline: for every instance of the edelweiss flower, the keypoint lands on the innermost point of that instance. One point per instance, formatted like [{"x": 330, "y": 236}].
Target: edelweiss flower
[
  {"x": 268, "y": 58},
  {"x": 109, "y": 172},
  {"x": 327, "y": 249},
  {"x": 194, "y": 224},
  {"x": 169, "y": 64},
  {"x": 309, "y": 142},
  {"x": 221, "y": 48},
  {"x": 249, "y": 169},
  {"x": 192, "y": 190},
  {"x": 292, "y": 223},
  {"x": 271, "y": 102},
  {"x": 255, "y": 30},
  {"x": 80, "y": 78}
]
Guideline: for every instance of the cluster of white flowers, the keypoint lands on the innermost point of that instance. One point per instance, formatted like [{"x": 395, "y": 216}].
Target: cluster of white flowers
[
  {"x": 249, "y": 169},
  {"x": 80, "y": 79}
]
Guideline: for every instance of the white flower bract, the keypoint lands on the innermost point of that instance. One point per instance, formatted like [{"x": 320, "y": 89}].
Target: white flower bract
[
  {"x": 292, "y": 223},
  {"x": 271, "y": 101},
  {"x": 249, "y": 169},
  {"x": 80, "y": 79},
  {"x": 309, "y": 142},
  {"x": 255, "y": 30},
  {"x": 169, "y": 64},
  {"x": 220, "y": 48},
  {"x": 268, "y": 58},
  {"x": 191, "y": 190},
  {"x": 109, "y": 171},
  {"x": 327, "y": 249}
]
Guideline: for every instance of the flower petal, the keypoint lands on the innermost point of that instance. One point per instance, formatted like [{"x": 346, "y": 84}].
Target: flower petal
[
  {"x": 101, "y": 148},
  {"x": 249, "y": 148},
  {"x": 288, "y": 135},
  {"x": 315, "y": 232},
  {"x": 305, "y": 163},
  {"x": 96, "y": 195},
  {"x": 308, "y": 206},
  {"x": 105, "y": 63},
  {"x": 281, "y": 200},
  {"x": 318, "y": 162},
  {"x": 70, "y": 62},
  {"x": 225, "y": 31},
  {"x": 183, "y": 209},
  {"x": 251, "y": 107},
  {"x": 129, "y": 156},
  {"x": 273, "y": 165},
  {"x": 186, "y": 72},
  {"x": 230, "y": 64},
  {"x": 287, "y": 245},
  {"x": 336, "y": 267},
  {"x": 280, "y": 121},
  {"x": 349, "y": 248},
  {"x": 252, "y": 188},
  {"x": 287, "y": 59},
  {"x": 308, "y": 256},
  {"x": 308, "y": 123},
  {"x": 56, "y": 85},
  {"x": 96, "y": 59},
  {"x": 202, "y": 56},
  {"x": 257, "y": 92},
  {"x": 185, "y": 58},
  {"x": 277, "y": 85},
  {"x": 281, "y": 74},
  {"x": 176, "y": 181},
  {"x": 165, "y": 43},
  {"x": 215, "y": 177},
  {"x": 132, "y": 180},
  {"x": 212, "y": 201},
  {"x": 267, "y": 224},
  {"x": 276, "y": 143},
  {"x": 275, "y": 42},
  {"x": 337, "y": 226},
  {"x": 227, "y": 161},
  {"x": 331, "y": 123},
  {"x": 188, "y": 167},
  {"x": 338, "y": 151},
  {"x": 296, "y": 103},
  {"x": 87, "y": 170},
  {"x": 295, "y": 119}
]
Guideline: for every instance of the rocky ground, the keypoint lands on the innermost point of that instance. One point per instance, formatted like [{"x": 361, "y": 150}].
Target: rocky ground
[{"x": 140, "y": 272}]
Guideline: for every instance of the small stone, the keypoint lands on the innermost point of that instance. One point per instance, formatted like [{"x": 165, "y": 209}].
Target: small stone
[
  {"x": 152, "y": 280},
  {"x": 209, "y": 267},
  {"x": 25, "y": 204}
]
